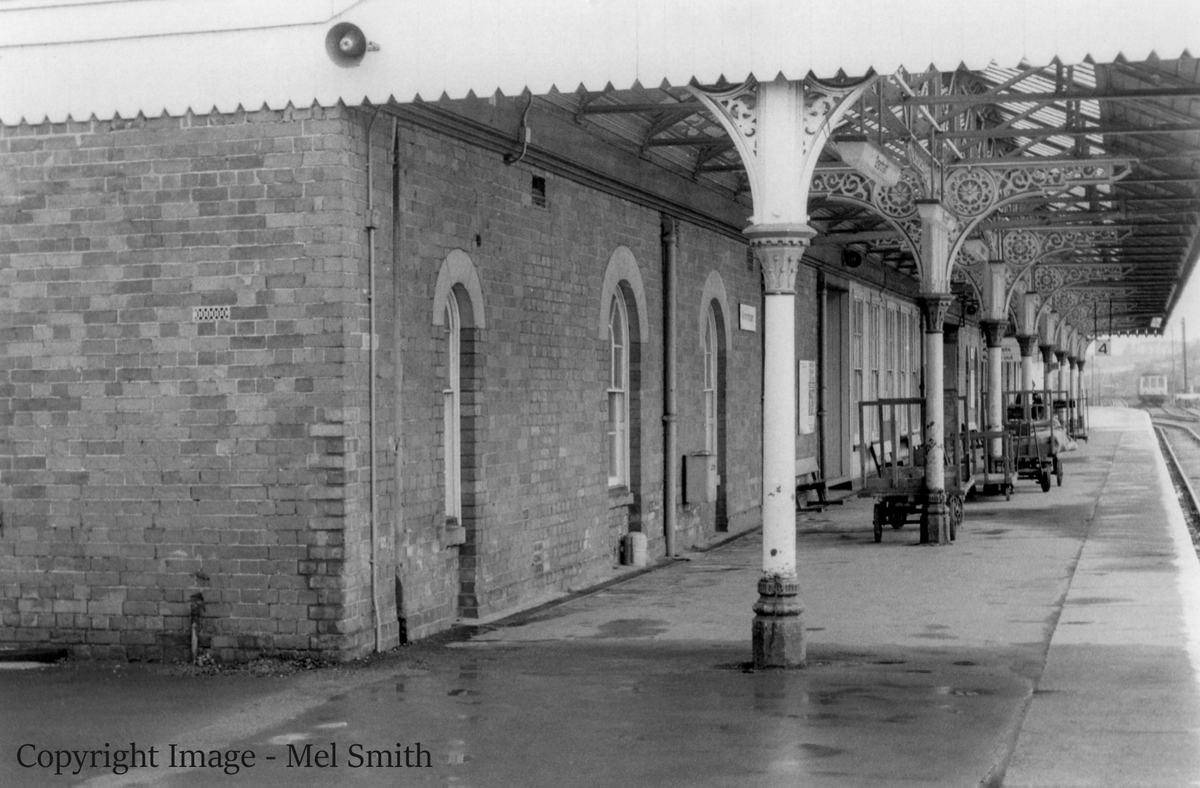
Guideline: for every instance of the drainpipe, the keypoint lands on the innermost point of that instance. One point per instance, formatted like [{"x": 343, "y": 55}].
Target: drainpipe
[
  {"x": 372, "y": 225},
  {"x": 670, "y": 239}
]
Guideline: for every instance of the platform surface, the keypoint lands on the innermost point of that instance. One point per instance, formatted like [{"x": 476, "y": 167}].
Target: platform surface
[{"x": 1053, "y": 644}]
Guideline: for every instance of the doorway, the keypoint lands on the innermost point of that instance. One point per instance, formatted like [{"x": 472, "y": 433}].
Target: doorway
[
  {"x": 714, "y": 404},
  {"x": 835, "y": 435}
]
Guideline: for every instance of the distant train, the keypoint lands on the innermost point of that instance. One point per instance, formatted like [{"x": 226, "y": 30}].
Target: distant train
[{"x": 1152, "y": 389}]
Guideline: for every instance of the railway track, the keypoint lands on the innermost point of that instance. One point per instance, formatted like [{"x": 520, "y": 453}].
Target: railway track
[
  {"x": 1180, "y": 441},
  {"x": 1172, "y": 413}
]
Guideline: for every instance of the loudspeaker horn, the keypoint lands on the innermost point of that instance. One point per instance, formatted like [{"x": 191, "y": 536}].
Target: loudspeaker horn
[{"x": 346, "y": 44}]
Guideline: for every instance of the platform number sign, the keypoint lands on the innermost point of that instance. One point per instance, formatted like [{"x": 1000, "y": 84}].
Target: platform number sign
[{"x": 1103, "y": 347}]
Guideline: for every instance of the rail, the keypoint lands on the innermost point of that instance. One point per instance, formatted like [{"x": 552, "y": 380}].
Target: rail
[{"x": 1178, "y": 470}]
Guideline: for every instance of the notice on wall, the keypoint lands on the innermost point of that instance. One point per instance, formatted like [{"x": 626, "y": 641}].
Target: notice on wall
[
  {"x": 806, "y": 396},
  {"x": 747, "y": 317}
]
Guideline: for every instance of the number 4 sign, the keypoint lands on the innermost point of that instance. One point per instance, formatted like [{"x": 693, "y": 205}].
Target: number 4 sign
[{"x": 1102, "y": 347}]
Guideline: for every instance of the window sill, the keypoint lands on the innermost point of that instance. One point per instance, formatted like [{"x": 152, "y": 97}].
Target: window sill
[{"x": 619, "y": 496}]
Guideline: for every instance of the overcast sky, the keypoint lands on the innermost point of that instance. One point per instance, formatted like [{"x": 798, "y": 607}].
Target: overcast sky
[{"x": 1189, "y": 305}]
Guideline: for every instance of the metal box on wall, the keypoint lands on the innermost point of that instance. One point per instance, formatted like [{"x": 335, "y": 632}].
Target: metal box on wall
[{"x": 700, "y": 478}]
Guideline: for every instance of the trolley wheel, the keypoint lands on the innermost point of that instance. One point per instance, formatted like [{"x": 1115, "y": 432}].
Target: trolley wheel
[
  {"x": 877, "y": 522},
  {"x": 1044, "y": 480},
  {"x": 954, "y": 510},
  {"x": 1058, "y": 470},
  {"x": 1008, "y": 491},
  {"x": 897, "y": 515}
]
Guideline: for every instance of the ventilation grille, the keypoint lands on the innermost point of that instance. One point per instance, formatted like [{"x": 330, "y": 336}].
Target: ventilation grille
[{"x": 200, "y": 313}]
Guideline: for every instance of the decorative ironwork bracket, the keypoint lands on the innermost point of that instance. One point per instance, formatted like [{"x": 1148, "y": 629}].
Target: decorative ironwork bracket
[
  {"x": 1050, "y": 279},
  {"x": 1068, "y": 295},
  {"x": 779, "y": 129},
  {"x": 969, "y": 193}
]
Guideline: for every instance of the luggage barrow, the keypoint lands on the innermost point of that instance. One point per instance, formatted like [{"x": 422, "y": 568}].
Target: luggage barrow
[
  {"x": 1031, "y": 424},
  {"x": 1035, "y": 455},
  {"x": 999, "y": 471},
  {"x": 901, "y": 499},
  {"x": 899, "y": 488}
]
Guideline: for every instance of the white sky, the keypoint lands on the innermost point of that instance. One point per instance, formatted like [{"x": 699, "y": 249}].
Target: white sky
[{"x": 1189, "y": 305}]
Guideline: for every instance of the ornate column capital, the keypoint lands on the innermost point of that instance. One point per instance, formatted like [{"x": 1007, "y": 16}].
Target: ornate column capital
[
  {"x": 935, "y": 213},
  {"x": 779, "y": 248},
  {"x": 1061, "y": 355},
  {"x": 995, "y": 290},
  {"x": 938, "y": 228},
  {"x": 1073, "y": 361},
  {"x": 1028, "y": 343},
  {"x": 993, "y": 331},
  {"x": 934, "y": 307},
  {"x": 1047, "y": 354},
  {"x": 1079, "y": 363}
]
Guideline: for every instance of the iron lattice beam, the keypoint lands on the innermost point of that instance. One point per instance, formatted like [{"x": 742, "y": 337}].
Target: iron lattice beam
[{"x": 971, "y": 99}]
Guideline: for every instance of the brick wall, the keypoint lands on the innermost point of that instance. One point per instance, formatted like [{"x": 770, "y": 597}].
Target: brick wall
[
  {"x": 543, "y": 519},
  {"x": 739, "y": 408},
  {"x": 149, "y": 455},
  {"x": 154, "y": 455}
]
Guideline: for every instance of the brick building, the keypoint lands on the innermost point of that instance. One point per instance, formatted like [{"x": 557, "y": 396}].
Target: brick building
[
  {"x": 186, "y": 379},
  {"x": 334, "y": 372}
]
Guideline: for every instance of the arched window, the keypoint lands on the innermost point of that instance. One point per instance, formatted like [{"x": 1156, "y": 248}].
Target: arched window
[
  {"x": 710, "y": 382},
  {"x": 622, "y": 331},
  {"x": 451, "y": 408},
  {"x": 618, "y": 393},
  {"x": 458, "y": 311}
]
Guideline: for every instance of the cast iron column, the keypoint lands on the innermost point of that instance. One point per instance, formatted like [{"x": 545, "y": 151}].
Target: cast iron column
[
  {"x": 1028, "y": 343},
  {"x": 1080, "y": 412},
  {"x": 935, "y": 525},
  {"x": 993, "y": 331},
  {"x": 1047, "y": 366},
  {"x": 778, "y": 629},
  {"x": 1072, "y": 390},
  {"x": 938, "y": 226},
  {"x": 779, "y": 129},
  {"x": 1063, "y": 371}
]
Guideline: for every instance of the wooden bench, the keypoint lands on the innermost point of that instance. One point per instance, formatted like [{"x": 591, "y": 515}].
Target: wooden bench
[{"x": 808, "y": 477}]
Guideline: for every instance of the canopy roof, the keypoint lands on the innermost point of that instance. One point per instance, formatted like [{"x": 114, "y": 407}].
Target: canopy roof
[
  {"x": 79, "y": 58},
  {"x": 966, "y": 81}
]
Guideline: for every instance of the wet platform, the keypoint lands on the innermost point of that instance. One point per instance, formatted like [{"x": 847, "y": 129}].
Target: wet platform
[{"x": 1055, "y": 643}]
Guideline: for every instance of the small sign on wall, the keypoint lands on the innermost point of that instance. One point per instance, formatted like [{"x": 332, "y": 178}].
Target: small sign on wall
[{"x": 747, "y": 317}]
